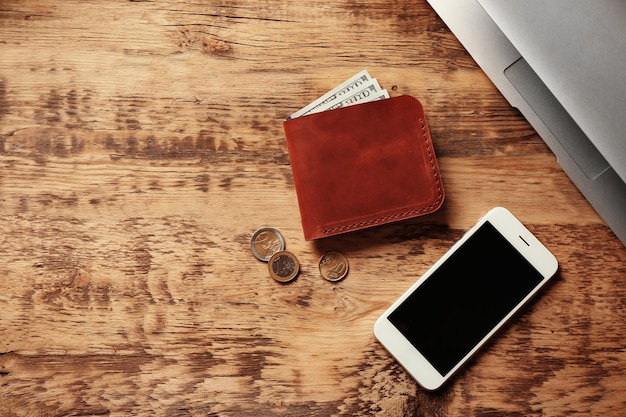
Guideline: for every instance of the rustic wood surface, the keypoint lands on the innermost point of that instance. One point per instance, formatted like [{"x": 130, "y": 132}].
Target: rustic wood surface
[{"x": 141, "y": 144}]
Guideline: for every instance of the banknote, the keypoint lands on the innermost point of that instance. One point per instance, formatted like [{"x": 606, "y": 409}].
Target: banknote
[
  {"x": 354, "y": 82},
  {"x": 370, "y": 92},
  {"x": 359, "y": 88}
]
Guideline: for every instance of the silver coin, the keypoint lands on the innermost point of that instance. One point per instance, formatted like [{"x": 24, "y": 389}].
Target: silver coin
[{"x": 266, "y": 242}]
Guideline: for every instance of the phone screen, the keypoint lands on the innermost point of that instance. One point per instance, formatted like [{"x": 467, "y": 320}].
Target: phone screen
[{"x": 465, "y": 298}]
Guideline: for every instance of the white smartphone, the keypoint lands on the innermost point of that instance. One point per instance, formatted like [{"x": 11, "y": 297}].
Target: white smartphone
[{"x": 465, "y": 297}]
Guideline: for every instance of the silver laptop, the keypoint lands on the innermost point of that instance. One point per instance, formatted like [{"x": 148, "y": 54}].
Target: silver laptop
[{"x": 562, "y": 63}]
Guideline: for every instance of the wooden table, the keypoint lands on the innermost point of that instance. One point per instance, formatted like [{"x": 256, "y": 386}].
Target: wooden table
[{"x": 141, "y": 145}]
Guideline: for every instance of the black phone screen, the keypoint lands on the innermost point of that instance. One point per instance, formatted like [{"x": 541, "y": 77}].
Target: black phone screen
[{"x": 464, "y": 299}]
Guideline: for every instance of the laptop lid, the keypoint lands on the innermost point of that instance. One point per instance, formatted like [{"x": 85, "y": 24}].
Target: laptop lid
[
  {"x": 578, "y": 50},
  {"x": 525, "y": 89}
]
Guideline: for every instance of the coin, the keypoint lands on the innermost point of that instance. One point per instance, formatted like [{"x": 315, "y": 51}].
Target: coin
[
  {"x": 265, "y": 242},
  {"x": 283, "y": 266},
  {"x": 333, "y": 266}
]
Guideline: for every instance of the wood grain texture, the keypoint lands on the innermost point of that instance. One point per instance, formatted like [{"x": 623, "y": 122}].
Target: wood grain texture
[{"x": 141, "y": 145}]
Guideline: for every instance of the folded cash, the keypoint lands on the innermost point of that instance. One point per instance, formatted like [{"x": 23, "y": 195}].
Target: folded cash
[{"x": 360, "y": 88}]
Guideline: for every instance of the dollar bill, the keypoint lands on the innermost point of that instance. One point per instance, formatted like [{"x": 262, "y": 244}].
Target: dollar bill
[
  {"x": 370, "y": 93},
  {"x": 360, "y": 88}
]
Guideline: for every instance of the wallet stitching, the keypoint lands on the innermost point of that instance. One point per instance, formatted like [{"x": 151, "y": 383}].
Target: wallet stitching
[{"x": 384, "y": 219}]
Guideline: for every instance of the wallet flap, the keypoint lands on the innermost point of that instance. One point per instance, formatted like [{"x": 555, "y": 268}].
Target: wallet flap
[{"x": 363, "y": 165}]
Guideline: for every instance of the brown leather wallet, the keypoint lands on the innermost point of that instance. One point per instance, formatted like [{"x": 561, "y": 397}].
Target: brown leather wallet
[{"x": 363, "y": 165}]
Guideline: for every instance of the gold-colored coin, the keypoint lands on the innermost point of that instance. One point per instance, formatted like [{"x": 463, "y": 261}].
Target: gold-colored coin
[
  {"x": 283, "y": 266},
  {"x": 265, "y": 242},
  {"x": 333, "y": 266}
]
